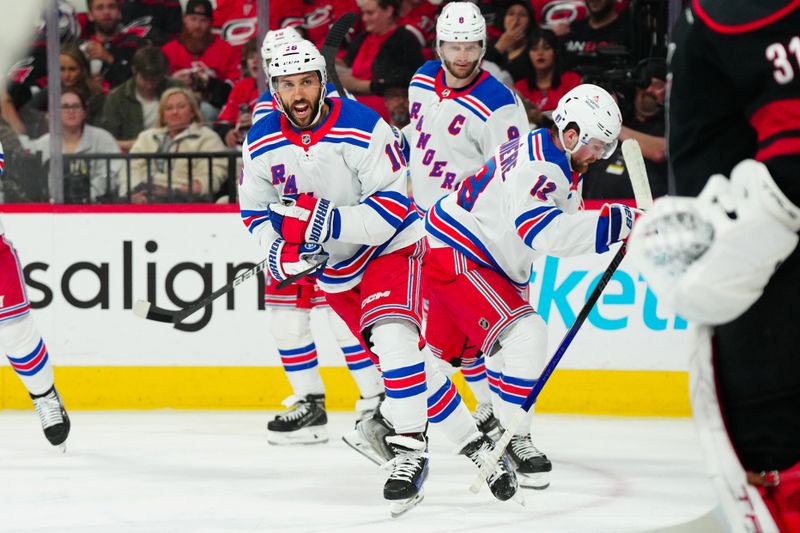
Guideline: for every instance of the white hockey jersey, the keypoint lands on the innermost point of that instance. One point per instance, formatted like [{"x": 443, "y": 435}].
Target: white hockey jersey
[
  {"x": 453, "y": 132},
  {"x": 266, "y": 103},
  {"x": 351, "y": 159},
  {"x": 523, "y": 203}
]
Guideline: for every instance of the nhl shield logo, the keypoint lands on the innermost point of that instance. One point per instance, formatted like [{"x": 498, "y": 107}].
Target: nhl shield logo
[
  {"x": 484, "y": 324},
  {"x": 446, "y": 93},
  {"x": 306, "y": 138}
]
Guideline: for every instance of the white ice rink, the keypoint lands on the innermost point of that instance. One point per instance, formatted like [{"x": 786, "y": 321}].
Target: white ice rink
[{"x": 189, "y": 471}]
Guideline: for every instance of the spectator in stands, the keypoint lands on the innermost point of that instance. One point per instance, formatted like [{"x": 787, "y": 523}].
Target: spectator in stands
[
  {"x": 419, "y": 17},
  {"x": 179, "y": 129},
  {"x": 316, "y": 16},
  {"x": 236, "y": 116},
  {"x": 109, "y": 48},
  {"x": 547, "y": 80},
  {"x": 133, "y": 106},
  {"x": 394, "y": 90},
  {"x": 384, "y": 47},
  {"x": 509, "y": 51},
  {"x": 83, "y": 180},
  {"x": 603, "y": 28},
  {"x": 202, "y": 61},
  {"x": 31, "y": 119},
  {"x": 157, "y": 21},
  {"x": 643, "y": 121}
]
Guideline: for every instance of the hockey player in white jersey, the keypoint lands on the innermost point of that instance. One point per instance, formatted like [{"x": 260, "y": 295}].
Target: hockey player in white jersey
[
  {"x": 484, "y": 238},
  {"x": 459, "y": 115},
  {"x": 24, "y": 346},
  {"x": 290, "y": 308},
  {"x": 272, "y": 41},
  {"x": 325, "y": 178}
]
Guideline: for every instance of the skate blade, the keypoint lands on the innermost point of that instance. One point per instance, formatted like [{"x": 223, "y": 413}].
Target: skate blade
[
  {"x": 538, "y": 481},
  {"x": 62, "y": 447},
  {"x": 354, "y": 440},
  {"x": 399, "y": 507},
  {"x": 519, "y": 499},
  {"x": 318, "y": 435}
]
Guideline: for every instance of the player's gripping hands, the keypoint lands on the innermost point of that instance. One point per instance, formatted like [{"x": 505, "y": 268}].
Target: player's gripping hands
[
  {"x": 303, "y": 219},
  {"x": 709, "y": 258},
  {"x": 286, "y": 259},
  {"x": 614, "y": 225}
]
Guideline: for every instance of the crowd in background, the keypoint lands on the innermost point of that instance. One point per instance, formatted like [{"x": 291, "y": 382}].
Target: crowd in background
[{"x": 165, "y": 76}]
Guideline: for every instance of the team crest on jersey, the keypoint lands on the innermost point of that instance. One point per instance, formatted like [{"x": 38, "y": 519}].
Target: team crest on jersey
[{"x": 306, "y": 138}]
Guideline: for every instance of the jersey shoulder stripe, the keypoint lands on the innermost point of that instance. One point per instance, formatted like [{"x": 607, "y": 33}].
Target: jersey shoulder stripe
[
  {"x": 265, "y": 135},
  {"x": 542, "y": 148},
  {"x": 492, "y": 94}
]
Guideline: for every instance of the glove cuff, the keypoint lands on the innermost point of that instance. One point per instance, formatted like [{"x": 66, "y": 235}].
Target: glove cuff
[
  {"x": 274, "y": 260},
  {"x": 755, "y": 178},
  {"x": 319, "y": 224}
]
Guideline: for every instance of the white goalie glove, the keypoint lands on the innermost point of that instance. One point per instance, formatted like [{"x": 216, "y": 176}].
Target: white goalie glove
[{"x": 709, "y": 258}]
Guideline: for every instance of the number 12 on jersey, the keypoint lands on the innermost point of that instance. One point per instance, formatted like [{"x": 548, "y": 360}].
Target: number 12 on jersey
[{"x": 472, "y": 187}]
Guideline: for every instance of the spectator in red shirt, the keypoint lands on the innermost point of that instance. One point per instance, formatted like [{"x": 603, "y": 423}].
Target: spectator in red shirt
[
  {"x": 383, "y": 48},
  {"x": 109, "y": 48},
  {"x": 547, "y": 81},
  {"x": 236, "y": 116},
  {"x": 318, "y": 15},
  {"x": 419, "y": 17},
  {"x": 202, "y": 61}
]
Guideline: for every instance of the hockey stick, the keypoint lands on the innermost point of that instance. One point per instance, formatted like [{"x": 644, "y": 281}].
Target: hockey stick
[
  {"x": 150, "y": 311},
  {"x": 644, "y": 199},
  {"x": 330, "y": 47}
]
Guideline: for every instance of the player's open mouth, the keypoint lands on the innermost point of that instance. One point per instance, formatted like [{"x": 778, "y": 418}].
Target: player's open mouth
[{"x": 301, "y": 111}]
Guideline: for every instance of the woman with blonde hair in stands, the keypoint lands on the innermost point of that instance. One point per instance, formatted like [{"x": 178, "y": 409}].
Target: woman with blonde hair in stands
[{"x": 179, "y": 129}]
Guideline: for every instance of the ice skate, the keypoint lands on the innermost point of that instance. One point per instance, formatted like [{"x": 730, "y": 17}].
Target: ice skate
[
  {"x": 409, "y": 467},
  {"x": 304, "y": 423},
  {"x": 53, "y": 416},
  {"x": 533, "y": 467},
  {"x": 502, "y": 481},
  {"x": 486, "y": 421},
  {"x": 369, "y": 438}
]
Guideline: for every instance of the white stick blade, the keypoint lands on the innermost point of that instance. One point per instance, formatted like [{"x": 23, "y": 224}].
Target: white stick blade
[{"x": 634, "y": 162}]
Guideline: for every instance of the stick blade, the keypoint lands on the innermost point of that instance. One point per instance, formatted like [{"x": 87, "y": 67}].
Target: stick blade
[
  {"x": 634, "y": 161},
  {"x": 145, "y": 309}
]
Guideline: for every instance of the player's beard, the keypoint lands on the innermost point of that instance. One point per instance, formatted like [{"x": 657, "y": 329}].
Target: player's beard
[
  {"x": 450, "y": 68},
  {"x": 195, "y": 42},
  {"x": 309, "y": 120}
]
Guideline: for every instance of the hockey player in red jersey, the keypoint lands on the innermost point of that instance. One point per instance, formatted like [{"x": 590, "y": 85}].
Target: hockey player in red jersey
[
  {"x": 23, "y": 345},
  {"x": 725, "y": 255}
]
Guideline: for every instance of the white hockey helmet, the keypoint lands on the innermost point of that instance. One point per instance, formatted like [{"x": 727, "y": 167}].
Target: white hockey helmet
[
  {"x": 272, "y": 40},
  {"x": 461, "y": 22},
  {"x": 596, "y": 114},
  {"x": 296, "y": 58}
]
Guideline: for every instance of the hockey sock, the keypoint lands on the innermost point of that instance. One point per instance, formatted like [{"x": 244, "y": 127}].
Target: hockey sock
[
  {"x": 27, "y": 354},
  {"x": 475, "y": 375},
  {"x": 364, "y": 372},
  {"x": 292, "y": 333},
  {"x": 396, "y": 345},
  {"x": 445, "y": 407}
]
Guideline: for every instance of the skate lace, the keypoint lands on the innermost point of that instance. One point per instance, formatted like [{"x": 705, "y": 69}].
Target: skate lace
[
  {"x": 480, "y": 457},
  {"x": 298, "y": 410},
  {"x": 524, "y": 448},
  {"x": 49, "y": 410},
  {"x": 405, "y": 465},
  {"x": 483, "y": 413}
]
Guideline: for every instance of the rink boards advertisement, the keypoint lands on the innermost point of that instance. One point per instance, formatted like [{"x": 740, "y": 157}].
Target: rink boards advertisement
[{"x": 85, "y": 267}]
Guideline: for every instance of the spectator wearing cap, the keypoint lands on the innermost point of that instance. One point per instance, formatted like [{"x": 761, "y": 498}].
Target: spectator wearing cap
[
  {"x": 133, "y": 106},
  {"x": 109, "y": 47},
  {"x": 201, "y": 60}
]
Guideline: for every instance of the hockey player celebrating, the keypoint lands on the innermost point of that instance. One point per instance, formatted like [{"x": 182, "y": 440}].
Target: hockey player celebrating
[
  {"x": 23, "y": 345},
  {"x": 290, "y": 325},
  {"x": 484, "y": 238},
  {"x": 325, "y": 178},
  {"x": 272, "y": 41},
  {"x": 729, "y": 257}
]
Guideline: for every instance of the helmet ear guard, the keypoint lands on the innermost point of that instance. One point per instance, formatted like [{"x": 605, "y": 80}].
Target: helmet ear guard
[{"x": 596, "y": 114}]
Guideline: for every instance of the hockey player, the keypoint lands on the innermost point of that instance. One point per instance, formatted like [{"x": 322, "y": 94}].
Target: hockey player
[
  {"x": 459, "y": 115},
  {"x": 23, "y": 345},
  {"x": 290, "y": 326},
  {"x": 325, "y": 178},
  {"x": 484, "y": 237},
  {"x": 272, "y": 40},
  {"x": 728, "y": 259}
]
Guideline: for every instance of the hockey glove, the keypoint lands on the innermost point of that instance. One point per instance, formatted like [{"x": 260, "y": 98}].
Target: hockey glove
[
  {"x": 709, "y": 258},
  {"x": 305, "y": 219},
  {"x": 614, "y": 225},
  {"x": 287, "y": 259}
]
